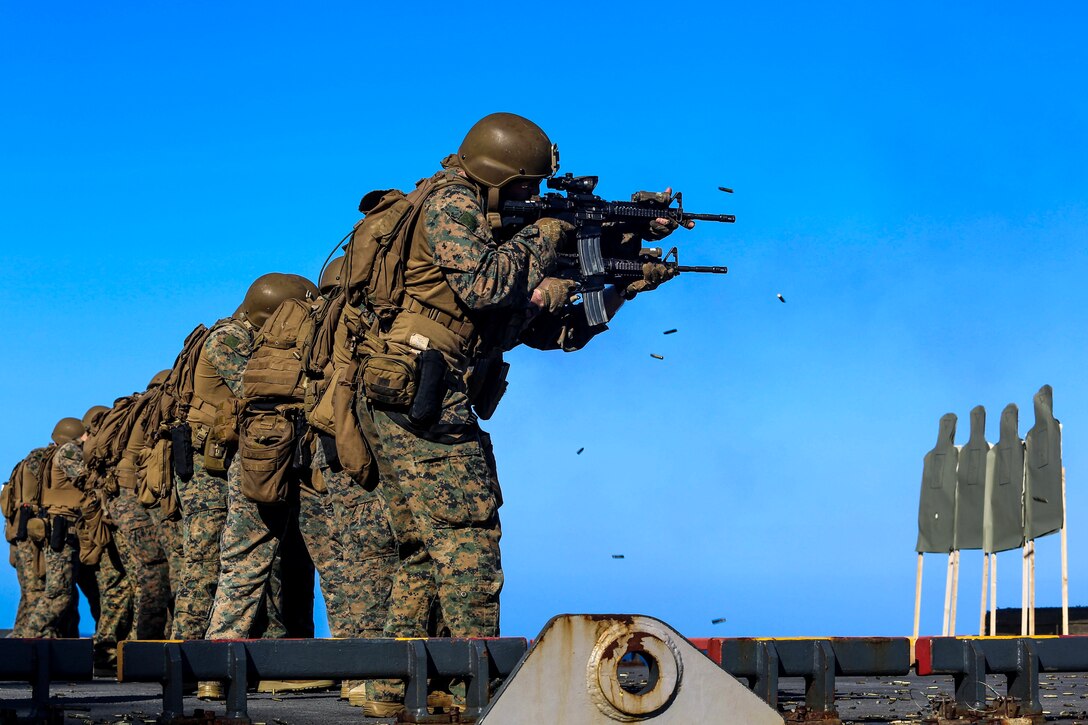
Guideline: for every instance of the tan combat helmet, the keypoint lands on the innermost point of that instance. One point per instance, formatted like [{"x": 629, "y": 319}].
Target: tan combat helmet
[
  {"x": 330, "y": 276},
  {"x": 67, "y": 429},
  {"x": 159, "y": 379},
  {"x": 90, "y": 418},
  {"x": 503, "y": 147},
  {"x": 269, "y": 290}
]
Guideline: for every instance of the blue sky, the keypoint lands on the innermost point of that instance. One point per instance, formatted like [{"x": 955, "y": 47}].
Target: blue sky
[{"x": 912, "y": 180}]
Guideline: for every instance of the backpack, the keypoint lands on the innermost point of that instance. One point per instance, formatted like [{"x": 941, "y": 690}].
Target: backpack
[
  {"x": 105, "y": 448},
  {"x": 177, "y": 389},
  {"x": 378, "y": 250},
  {"x": 276, "y": 369}
]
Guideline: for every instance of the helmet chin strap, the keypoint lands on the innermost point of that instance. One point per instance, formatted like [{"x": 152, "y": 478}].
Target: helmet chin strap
[{"x": 493, "y": 216}]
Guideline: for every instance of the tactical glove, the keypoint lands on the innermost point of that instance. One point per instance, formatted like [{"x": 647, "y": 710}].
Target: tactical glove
[
  {"x": 553, "y": 293},
  {"x": 553, "y": 231},
  {"x": 654, "y": 274},
  {"x": 660, "y": 231}
]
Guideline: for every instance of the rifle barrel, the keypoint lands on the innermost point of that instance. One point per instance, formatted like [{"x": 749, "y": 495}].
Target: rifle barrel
[
  {"x": 727, "y": 218},
  {"x": 703, "y": 269}
]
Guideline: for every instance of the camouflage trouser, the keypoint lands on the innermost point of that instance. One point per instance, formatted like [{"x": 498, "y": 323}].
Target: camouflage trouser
[
  {"x": 145, "y": 562},
  {"x": 173, "y": 544},
  {"x": 443, "y": 503},
  {"x": 203, "y": 514},
  {"x": 115, "y": 595},
  {"x": 58, "y": 598},
  {"x": 364, "y": 573},
  {"x": 31, "y": 583},
  {"x": 251, "y": 537},
  {"x": 317, "y": 526}
]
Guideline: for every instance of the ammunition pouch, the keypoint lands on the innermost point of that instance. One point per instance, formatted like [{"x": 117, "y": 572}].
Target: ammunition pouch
[
  {"x": 267, "y": 449},
  {"x": 181, "y": 448},
  {"x": 390, "y": 379},
  {"x": 58, "y": 536}
]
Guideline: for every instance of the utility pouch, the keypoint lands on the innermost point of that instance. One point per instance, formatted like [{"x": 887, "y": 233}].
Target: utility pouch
[
  {"x": 390, "y": 379},
  {"x": 26, "y": 513},
  {"x": 266, "y": 448},
  {"x": 430, "y": 389},
  {"x": 321, "y": 415},
  {"x": 153, "y": 474},
  {"x": 225, "y": 428},
  {"x": 59, "y": 534},
  {"x": 491, "y": 389},
  {"x": 36, "y": 530},
  {"x": 215, "y": 456},
  {"x": 181, "y": 444},
  {"x": 351, "y": 447}
]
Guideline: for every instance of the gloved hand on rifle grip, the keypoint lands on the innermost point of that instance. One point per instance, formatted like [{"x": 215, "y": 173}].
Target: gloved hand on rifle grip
[
  {"x": 552, "y": 294},
  {"x": 654, "y": 274}
]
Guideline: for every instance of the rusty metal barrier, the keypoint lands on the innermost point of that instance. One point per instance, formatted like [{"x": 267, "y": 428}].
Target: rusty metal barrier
[
  {"x": 239, "y": 662},
  {"x": 40, "y": 661},
  {"x": 1018, "y": 659},
  {"x": 762, "y": 661}
]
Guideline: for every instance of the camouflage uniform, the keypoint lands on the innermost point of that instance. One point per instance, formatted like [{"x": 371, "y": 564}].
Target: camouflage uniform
[
  {"x": 169, "y": 530},
  {"x": 440, "y": 483},
  {"x": 204, "y": 496},
  {"x": 251, "y": 538},
  {"x": 58, "y": 598},
  {"x": 28, "y": 563},
  {"x": 144, "y": 560},
  {"x": 115, "y": 593},
  {"x": 357, "y": 588}
]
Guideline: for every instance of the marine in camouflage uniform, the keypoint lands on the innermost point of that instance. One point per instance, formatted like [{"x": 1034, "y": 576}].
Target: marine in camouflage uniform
[
  {"x": 204, "y": 496},
  {"x": 27, "y": 555},
  {"x": 105, "y": 580},
  {"x": 470, "y": 296},
  {"x": 256, "y": 532},
  {"x": 138, "y": 541},
  {"x": 61, "y": 505}
]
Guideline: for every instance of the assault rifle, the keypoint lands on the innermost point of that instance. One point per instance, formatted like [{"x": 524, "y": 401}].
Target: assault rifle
[{"x": 587, "y": 263}]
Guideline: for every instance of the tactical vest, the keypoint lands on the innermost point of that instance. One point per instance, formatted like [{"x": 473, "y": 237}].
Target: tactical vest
[
  {"x": 60, "y": 496},
  {"x": 209, "y": 389}
]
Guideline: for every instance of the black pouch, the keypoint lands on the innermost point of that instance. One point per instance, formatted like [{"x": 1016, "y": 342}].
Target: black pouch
[
  {"x": 303, "y": 455},
  {"x": 328, "y": 447},
  {"x": 26, "y": 513},
  {"x": 59, "y": 533},
  {"x": 430, "y": 389},
  {"x": 181, "y": 445},
  {"x": 491, "y": 389}
]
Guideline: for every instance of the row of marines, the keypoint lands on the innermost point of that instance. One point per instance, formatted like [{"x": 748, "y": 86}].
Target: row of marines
[
  {"x": 335, "y": 424},
  {"x": 141, "y": 504}
]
